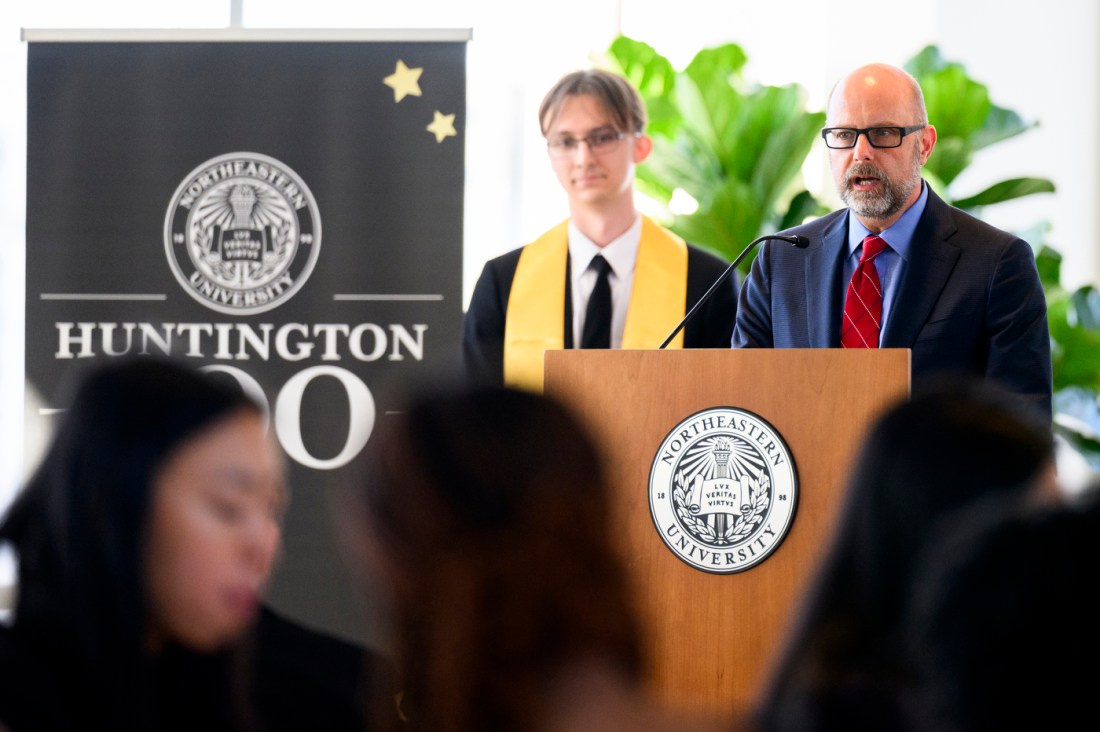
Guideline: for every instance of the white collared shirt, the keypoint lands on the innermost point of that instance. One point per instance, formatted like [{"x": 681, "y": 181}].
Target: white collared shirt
[{"x": 621, "y": 254}]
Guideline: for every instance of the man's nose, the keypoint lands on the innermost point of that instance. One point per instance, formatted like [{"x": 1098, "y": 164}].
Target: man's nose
[
  {"x": 863, "y": 149},
  {"x": 582, "y": 153}
]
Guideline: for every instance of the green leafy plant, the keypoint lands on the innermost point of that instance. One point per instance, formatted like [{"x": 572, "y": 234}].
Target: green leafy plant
[
  {"x": 732, "y": 148},
  {"x": 1074, "y": 320},
  {"x": 966, "y": 121}
]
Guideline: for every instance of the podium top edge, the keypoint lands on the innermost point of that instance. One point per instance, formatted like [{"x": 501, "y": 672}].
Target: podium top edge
[{"x": 215, "y": 35}]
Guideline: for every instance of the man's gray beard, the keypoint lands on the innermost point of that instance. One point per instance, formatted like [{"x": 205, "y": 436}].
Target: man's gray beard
[{"x": 883, "y": 202}]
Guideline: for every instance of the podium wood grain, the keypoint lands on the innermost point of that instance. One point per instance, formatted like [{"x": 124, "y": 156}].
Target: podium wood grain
[{"x": 710, "y": 638}]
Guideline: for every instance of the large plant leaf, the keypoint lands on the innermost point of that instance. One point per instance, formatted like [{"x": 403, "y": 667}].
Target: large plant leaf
[
  {"x": 1084, "y": 309},
  {"x": 652, "y": 75},
  {"x": 1000, "y": 124},
  {"x": 716, "y": 74},
  {"x": 765, "y": 113},
  {"x": 696, "y": 120},
  {"x": 718, "y": 66},
  {"x": 729, "y": 223},
  {"x": 803, "y": 206},
  {"x": 723, "y": 106},
  {"x": 648, "y": 71},
  {"x": 1006, "y": 190},
  {"x": 1049, "y": 263},
  {"x": 927, "y": 62},
  {"x": 783, "y": 153},
  {"x": 685, "y": 163},
  {"x": 957, "y": 105},
  {"x": 1073, "y": 319},
  {"x": 949, "y": 158},
  {"x": 652, "y": 185}
]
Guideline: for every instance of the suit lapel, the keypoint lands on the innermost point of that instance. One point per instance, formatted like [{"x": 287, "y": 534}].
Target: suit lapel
[
  {"x": 823, "y": 272},
  {"x": 931, "y": 261}
]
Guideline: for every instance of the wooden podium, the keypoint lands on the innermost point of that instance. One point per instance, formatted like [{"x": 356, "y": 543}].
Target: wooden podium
[{"x": 711, "y": 637}]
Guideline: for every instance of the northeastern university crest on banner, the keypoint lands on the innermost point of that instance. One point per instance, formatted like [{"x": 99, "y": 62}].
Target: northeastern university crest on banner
[
  {"x": 242, "y": 233},
  {"x": 723, "y": 490}
]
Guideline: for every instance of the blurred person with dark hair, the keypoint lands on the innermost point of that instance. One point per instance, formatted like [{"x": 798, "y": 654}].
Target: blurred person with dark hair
[
  {"x": 488, "y": 516},
  {"x": 144, "y": 542},
  {"x": 955, "y": 443},
  {"x": 1003, "y": 627}
]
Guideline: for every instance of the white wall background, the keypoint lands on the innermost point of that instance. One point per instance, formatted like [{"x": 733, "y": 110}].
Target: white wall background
[{"x": 1041, "y": 60}]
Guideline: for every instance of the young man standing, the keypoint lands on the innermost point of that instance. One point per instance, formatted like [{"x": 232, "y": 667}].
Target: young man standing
[{"x": 607, "y": 277}]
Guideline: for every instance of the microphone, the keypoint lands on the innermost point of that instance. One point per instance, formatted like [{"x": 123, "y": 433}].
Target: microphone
[{"x": 799, "y": 241}]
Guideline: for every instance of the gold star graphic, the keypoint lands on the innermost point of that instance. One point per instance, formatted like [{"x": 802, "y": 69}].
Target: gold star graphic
[
  {"x": 443, "y": 126},
  {"x": 404, "y": 81}
]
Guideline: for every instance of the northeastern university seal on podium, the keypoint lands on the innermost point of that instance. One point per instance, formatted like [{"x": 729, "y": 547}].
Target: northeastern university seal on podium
[
  {"x": 242, "y": 233},
  {"x": 723, "y": 490}
]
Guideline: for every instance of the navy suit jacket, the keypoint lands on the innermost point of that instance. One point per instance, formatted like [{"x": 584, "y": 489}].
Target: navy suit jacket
[
  {"x": 970, "y": 300},
  {"x": 483, "y": 329}
]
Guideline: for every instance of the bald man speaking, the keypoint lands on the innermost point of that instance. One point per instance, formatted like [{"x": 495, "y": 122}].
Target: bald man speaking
[{"x": 899, "y": 268}]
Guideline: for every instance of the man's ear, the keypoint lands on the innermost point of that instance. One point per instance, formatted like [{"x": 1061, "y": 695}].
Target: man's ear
[
  {"x": 643, "y": 146},
  {"x": 927, "y": 142}
]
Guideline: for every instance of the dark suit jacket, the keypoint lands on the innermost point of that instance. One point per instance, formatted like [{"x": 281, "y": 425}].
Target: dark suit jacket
[
  {"x": 970, "y": 300},
  {"x": 286, "y": 676},
  {"x": 483, "y": 330}
]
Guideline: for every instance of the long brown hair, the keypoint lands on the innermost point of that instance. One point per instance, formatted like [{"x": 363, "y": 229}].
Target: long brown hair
[{"x": 489, "y": 515}]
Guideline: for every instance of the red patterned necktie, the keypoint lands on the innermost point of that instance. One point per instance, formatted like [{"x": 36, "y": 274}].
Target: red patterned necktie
[{"x": 863, "y": 306}]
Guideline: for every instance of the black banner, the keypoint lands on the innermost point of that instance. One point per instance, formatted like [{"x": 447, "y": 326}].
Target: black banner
[{"x": 288, "y": 214}]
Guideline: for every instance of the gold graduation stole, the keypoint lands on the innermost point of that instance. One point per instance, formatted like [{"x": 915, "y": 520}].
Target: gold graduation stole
[{"x": 535, "y": 320}]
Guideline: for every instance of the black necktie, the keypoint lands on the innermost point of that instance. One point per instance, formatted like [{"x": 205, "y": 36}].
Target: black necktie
[{"x": 597, "y": 318}]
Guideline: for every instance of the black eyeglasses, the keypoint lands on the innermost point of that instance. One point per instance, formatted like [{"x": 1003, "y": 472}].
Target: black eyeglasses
[
  {"x": 843, "y": 138},
  {"x": 598, "y": 143}
]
